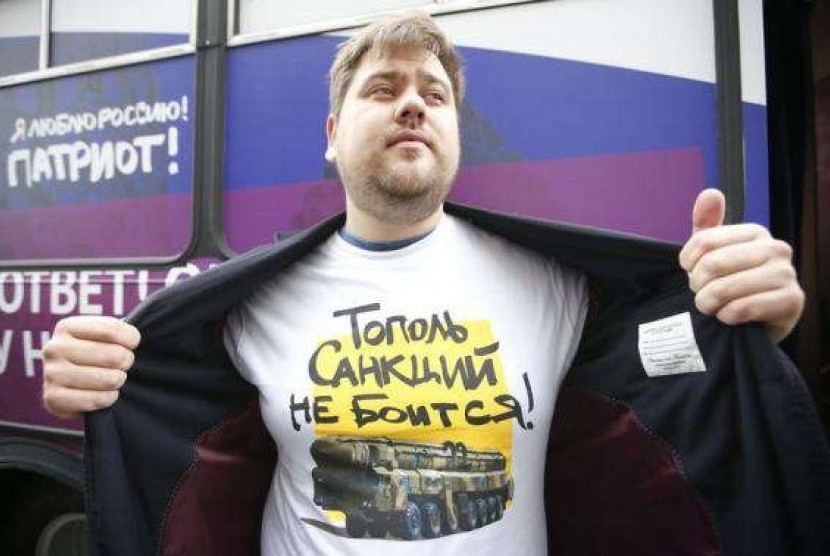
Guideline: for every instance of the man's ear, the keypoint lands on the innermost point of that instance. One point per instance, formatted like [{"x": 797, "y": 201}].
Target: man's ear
[{"x": 331, "y": 131}]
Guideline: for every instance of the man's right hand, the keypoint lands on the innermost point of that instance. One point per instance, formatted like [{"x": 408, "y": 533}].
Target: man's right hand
[{"x": 85, "y": 364}]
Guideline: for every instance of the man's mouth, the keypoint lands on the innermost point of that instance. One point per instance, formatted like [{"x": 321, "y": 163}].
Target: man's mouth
[{"x": 409, "y": 139}]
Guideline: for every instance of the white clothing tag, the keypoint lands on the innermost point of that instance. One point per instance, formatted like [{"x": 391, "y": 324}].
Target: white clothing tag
[{"x": 668, "y": 346}]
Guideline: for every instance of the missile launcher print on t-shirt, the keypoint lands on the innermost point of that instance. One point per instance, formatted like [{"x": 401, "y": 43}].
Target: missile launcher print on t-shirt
[{"x": 413, "y": 423}]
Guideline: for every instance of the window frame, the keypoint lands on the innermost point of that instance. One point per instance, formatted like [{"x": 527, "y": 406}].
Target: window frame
[{"x": 46, "y": 71}]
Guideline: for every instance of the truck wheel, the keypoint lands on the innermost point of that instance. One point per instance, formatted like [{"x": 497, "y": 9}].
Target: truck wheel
[
  {"x": 431, "y": 520},
  {"x": 496, "y": 510},
  {"x": 469, "y": 516},
  {"x": 483, "y": 512},
  {"x": 451, "y": 519},
  {"x": 409, "y": 526},
  {"x": 497, "y": 507},
  {"x": 378, "y": 525},
  {"x": 355, "y": 525}
]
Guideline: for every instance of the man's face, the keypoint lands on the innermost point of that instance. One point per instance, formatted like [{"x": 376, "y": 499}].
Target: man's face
[{"x": 396, "y": 140}]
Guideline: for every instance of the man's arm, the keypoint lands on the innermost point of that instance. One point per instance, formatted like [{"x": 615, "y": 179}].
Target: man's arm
[{"x": 740, "y": 273}]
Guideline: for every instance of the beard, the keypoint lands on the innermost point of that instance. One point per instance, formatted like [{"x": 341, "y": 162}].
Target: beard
[{"x": 398, "y": 192}]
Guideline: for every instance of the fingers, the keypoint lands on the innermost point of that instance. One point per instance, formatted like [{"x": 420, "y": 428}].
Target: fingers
[
  {"x": 740, "y": 290},
  {"x": 740, "y": 273},
  {"x": 87, "y": 353},
  {"x": 70, "y": 403},
  {"x": 712, "y": 239},
  {"x": 102, "y": 329},
  {"x": 709, "y": 210},
  {"x": 732, "y": 260},
  {"x": 87, "y": 378},
  {"x": 85, "y": 364},
  {"x": 772, "y": 307}
]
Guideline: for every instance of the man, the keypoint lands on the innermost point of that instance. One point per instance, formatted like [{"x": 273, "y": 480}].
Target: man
[{"x": 411, "y": 346}]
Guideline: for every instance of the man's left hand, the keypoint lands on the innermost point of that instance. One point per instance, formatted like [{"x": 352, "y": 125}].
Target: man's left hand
[{"x": 740, "y": 273}]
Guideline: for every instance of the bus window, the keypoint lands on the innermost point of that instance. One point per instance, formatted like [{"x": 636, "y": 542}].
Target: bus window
[
  {"x": 19, "y": 36},
  {"x": 257, "y": 16},
  {"x": 90, "y": 29},
  {"x": 98, "y": 165}
]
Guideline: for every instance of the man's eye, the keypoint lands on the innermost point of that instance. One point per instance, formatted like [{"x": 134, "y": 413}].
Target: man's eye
[
  {"x": 435, "y": 97},
  {"x": 383, "y": 90}
]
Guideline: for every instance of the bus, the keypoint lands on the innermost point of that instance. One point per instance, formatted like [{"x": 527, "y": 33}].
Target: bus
[{"x": 143, "y": 142}]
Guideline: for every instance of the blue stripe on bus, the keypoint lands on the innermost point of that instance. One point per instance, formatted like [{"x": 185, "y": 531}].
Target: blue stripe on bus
[{"x": 757, "y": 207}]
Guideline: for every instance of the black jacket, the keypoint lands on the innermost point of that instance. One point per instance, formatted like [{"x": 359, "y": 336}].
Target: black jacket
[{"x": 728, "y": 461}]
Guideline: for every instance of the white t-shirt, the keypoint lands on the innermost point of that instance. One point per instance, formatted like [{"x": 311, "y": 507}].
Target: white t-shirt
[{"x": 410, "y": 393}]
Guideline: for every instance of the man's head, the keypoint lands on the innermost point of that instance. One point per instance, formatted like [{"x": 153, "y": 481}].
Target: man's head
[
  {"x": 414, "y": 30},
  {"x": 393, "y": 128}
]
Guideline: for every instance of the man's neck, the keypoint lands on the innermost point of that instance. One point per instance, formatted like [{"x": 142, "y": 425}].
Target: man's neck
[
  {"x": 371, "y": 229},
  {"x": 378, "y": 245}
]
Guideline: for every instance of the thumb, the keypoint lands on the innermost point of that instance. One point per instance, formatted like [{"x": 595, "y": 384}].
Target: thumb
[{"x": 709, "y": 210}]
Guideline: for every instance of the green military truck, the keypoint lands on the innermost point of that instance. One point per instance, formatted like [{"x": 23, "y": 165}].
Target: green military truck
[{"x": 409, "y": 489}]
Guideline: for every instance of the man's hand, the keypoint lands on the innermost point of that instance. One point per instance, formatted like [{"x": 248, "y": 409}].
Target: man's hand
[
  {"x": 740, "y": 273},
  {"x": 85, "y": 364}
]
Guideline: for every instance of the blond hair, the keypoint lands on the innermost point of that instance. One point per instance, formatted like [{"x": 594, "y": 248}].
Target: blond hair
[{"x": 408, "y": 30}]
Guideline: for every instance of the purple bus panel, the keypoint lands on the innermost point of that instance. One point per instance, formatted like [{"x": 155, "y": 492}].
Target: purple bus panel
[
  {"x": 98, "y": 165},
  {"x": 551, "y": 138}
]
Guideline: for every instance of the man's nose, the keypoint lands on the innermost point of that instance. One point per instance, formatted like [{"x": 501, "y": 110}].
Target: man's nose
[{"x": 411, "y": 109}]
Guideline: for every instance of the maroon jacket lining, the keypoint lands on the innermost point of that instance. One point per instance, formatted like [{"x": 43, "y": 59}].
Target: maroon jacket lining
[
  {"x": 217, "y": 507},
  {"x": 616, "y": 488}
]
